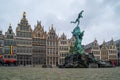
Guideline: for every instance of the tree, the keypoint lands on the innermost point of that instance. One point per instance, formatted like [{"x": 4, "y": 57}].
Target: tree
[{"x": 72, "y": 49}]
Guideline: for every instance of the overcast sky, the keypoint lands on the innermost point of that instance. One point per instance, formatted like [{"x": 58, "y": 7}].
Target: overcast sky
[{"x": 101, "y": 18}]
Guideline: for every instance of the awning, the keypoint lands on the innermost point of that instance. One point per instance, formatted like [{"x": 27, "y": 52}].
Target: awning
[
  {"x": 1, "y": 56},
  {"x": 9, "y": 60}
]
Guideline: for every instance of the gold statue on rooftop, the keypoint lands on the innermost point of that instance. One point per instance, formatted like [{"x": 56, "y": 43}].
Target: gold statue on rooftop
[{"x": 24, "y": 14}]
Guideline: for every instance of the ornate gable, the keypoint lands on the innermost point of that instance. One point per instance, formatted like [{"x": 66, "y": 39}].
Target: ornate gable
[
  {"x": 112, "y": 44},
  {"x": 72, "y": 39},
  {"x": 63, "y": 37},
  {"x": 39, "y": 31},
  {"x": 52, "y": 33},
  {"x": 24, "y": 25},
  {"x": 104, "y": 46},
  {"x": 95, "y": 45},
  {"x": 10, "y": 34}
]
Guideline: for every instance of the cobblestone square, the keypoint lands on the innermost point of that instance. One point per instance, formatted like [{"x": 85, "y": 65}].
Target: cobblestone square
[{"x": 37, "y": 73}]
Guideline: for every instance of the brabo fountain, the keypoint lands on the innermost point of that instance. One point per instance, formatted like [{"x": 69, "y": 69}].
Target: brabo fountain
[
  {"x": 78, "y": 35},
  {"x": 80, "y": 59}
]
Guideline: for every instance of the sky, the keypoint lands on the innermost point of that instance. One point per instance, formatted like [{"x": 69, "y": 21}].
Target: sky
[{"x": 101, "y": 18}]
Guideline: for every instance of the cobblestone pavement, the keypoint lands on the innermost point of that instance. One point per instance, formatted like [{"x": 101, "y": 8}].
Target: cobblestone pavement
[{"x": 36, "y": 73}]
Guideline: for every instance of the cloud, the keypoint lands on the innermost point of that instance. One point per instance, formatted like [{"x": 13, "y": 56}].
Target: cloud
[{"x": 100, "y": 20}]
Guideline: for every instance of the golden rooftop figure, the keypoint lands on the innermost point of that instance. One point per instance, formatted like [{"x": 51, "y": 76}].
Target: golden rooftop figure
[{"x": 24, "y": 14}]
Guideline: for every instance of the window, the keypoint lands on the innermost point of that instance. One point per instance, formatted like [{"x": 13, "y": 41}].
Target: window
[{"x": 8, "y": 56}]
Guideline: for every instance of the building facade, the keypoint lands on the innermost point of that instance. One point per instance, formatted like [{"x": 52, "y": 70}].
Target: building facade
[
  {"x": 112, "y": 56},
  {"x": 52, "y": 57},
  {"x": 106, "y": 52},
  {"x": 93, "y": 48},
  {"x": 96, "y": 50},
  {"x": 10, "y": 44},
  {"x": 24, "y": 42},
  {"x": 39, "y": 45},
  {"x": 117, "y": 43},
  {"x": 71, "y": 41},
  {"x": 63, "y": 46},
  {"x": 1, "y": 43}
]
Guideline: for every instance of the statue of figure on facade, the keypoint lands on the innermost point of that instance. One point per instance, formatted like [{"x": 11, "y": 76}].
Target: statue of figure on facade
[{"x": 78, "y": 34}]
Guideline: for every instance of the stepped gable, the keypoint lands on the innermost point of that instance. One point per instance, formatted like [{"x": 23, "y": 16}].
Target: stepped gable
[
  {"x": 24, "y": 25},
  {"x": 63, "y": 37}
]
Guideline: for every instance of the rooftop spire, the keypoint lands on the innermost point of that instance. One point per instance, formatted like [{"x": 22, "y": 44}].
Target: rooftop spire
[
  {"x": 63, "y": 36},
  {"x": 104, "y": 42},
  {"x": 9, "y": 25},
  {"x": 52, "y": 25},
  {"x": 95, "y": 39},
  {"x": 112, "y": 39},
  {"x": 39, "y": 23}
]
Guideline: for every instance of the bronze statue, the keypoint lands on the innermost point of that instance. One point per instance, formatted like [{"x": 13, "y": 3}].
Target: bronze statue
[
  {"x": 78, "y": 35},
  {"x": 78, "y": 19}
]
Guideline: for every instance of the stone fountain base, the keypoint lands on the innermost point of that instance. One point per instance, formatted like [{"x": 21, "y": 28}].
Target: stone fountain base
[{"x": 86, "y": 60}]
